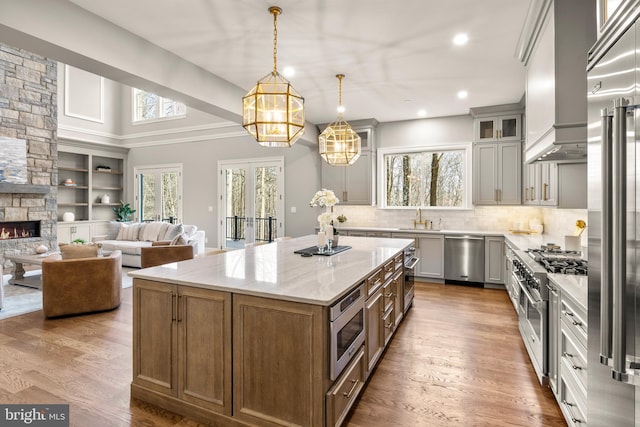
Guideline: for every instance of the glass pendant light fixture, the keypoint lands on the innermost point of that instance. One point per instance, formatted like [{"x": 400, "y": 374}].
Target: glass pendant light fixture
[
  {"x": 339, "y": 145},
  {"x": 273, "y": 112}
]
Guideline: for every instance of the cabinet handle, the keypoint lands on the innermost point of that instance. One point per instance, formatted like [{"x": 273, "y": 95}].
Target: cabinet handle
[
  {"x": 389, "y": 295},
  {"x": 526, "y": 194},
  {"x": 388, "y": 325},
  {"x": 344, "y": 196},
  {"x": 179, "y": 308},
  {"x": 544, "y": 192},
  {"x": 570, "y": 356},
  {"x": 173, "y": 307},
  {"x": 495, "y": 195},
  {"x": 570, "y": 315},
  {"x": 569, "y": 406},
  {"x": 532, "y": 194},
  {"x": 353, "y": 388}
]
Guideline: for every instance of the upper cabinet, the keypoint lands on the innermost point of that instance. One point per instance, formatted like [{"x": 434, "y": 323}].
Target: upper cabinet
[
  {"x": 497, "y": 128},
  {"x": 563, "y": 185},
  {"x": 555, "y": 38},
  {"x": 355, "y": 184},
  {"x": 497, "y": 173}
]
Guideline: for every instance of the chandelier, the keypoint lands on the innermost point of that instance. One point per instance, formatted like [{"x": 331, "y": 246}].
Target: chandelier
[
  {"x": 273, "y": 112},
  {"x": 339, "y": 145}
]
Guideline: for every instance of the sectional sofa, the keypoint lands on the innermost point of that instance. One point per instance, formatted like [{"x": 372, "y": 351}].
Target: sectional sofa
[{"x": 130, "y": 238}]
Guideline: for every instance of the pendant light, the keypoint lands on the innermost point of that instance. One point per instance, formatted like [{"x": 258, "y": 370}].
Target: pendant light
[
  {"x": 273, "y": 112},
  {"x": 339, "y": 145}
]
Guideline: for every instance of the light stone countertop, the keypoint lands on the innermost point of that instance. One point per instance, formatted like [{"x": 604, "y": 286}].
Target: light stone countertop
[
  {"x": 576, "y": 286},
  {"x": 423, "y": 231},
  {"x": 274, "y": 271}
]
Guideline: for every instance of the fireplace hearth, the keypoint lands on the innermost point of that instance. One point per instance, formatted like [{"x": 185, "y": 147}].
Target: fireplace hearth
[{"x": 10, "y": 230}]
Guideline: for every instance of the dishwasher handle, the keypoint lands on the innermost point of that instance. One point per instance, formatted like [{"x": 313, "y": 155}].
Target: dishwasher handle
[{"x": 464, "y": 237}]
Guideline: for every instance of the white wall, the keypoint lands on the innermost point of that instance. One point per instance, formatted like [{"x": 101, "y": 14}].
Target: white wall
[{"x": 200, "y": 180}]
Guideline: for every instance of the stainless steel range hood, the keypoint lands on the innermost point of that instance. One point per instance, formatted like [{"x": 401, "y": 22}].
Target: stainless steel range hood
[{"x": 566, "y": 143}]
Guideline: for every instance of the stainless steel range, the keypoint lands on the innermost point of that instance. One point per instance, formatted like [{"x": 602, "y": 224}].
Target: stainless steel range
[
  {"x": 533, "y": 298},
  {"x": 557, "y": 261}
]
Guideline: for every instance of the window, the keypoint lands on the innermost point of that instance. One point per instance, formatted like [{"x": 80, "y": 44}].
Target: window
[
  {"x": 428, "y": 177},
  {"x": 158, "y": 193},
  {"x": 149, "y": 106}
]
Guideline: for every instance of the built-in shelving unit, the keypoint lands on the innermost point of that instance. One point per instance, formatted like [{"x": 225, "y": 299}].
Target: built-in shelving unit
[{"x": 93, "y": 177}]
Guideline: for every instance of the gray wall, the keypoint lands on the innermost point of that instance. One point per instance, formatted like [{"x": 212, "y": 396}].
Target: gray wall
[{"x": 436, "y": 131}]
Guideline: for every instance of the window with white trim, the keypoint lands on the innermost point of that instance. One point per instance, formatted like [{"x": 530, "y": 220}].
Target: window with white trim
[
  {"x": 426, "y": 177},
  {"x": 149, "y": 106}
]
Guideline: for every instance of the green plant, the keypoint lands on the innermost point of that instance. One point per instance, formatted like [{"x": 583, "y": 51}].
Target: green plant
[
  {"x": 79, "y": 241},
  {"x": 123, "y": 212}
]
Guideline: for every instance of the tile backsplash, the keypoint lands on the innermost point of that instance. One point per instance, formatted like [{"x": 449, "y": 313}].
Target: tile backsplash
[{"x": 557, "y": 222}]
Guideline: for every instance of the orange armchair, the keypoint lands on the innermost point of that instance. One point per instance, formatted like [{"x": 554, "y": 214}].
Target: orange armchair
[{"x": 81, "y": 285}]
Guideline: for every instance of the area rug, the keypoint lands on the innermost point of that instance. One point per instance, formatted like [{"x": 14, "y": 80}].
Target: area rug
[{"x": 21, "y": 299}]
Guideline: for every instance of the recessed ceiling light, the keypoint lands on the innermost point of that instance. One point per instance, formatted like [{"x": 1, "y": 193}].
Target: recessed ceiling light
[
  {"x": 288, "y": 71},
  {"x": 463, "y": 94},
  {"x": 460, "y": 39},
  {"x": 422, "y": 113}
]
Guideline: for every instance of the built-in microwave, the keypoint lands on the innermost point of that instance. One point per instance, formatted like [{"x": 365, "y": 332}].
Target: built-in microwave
[{"x": 346, "y": 318}]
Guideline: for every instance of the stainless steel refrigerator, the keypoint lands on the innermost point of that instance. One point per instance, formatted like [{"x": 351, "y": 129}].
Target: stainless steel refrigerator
[{"x": 614, "y": 229}]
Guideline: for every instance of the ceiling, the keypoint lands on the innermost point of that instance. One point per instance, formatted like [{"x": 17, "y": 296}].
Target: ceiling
[{"x": 398, "y": 57}]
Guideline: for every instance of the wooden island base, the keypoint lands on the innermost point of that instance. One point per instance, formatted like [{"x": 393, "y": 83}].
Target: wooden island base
[{"x": 227, "y": 358}]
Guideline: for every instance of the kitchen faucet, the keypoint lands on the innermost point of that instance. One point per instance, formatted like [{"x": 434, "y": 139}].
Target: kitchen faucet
[{"x": 419, "y": 221}]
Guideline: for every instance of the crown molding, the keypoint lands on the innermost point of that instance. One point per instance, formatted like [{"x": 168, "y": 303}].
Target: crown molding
[{"x": 533, "y": 23}]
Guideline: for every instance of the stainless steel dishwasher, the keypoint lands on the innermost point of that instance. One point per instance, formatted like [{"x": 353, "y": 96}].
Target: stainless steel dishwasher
[{"x": 464, "y": 258}]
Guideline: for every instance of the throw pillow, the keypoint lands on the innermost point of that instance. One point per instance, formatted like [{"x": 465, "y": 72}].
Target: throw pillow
[
  {"x": 172, "y": 231},
  {"x": 112, "y": 230},
  {"x": 152, "y": 230},
  {"x": 180, "y": 239},
  {"x": 90, "y": 250},
  {"x": 128, "y": 231},
  {"x": 190, "y": 230}
]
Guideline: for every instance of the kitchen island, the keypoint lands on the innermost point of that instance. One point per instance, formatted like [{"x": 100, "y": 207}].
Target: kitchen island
[{"x": 245, "y": 337}]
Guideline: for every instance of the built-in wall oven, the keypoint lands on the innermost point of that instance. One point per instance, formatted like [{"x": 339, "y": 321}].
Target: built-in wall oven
[
  {"x": 410, "y": 262},
  {"x": 346, "y": 327},
  {"x": 532, "y": 310}
]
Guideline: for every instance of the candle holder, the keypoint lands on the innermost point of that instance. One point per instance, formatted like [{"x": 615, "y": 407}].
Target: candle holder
[{"x": 329, "y": 244}]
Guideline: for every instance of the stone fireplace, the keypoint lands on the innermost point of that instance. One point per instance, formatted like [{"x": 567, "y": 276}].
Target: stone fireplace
[
  {"x": 28, "y": 111},
  {"x": 19, "y": 229}
]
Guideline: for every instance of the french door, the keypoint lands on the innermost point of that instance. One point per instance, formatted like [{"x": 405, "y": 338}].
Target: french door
[
  {"x": 158, "y": 193},
  {"x": 251, "y": 201}
]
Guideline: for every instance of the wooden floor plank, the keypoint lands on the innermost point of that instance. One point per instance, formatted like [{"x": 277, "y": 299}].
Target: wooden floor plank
[{"x": 456, "y": 360}]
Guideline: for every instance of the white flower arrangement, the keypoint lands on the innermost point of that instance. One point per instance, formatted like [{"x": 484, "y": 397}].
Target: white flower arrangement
[
  {"x": 324, "y": 198},
  {"x": 325, "y": 218}
]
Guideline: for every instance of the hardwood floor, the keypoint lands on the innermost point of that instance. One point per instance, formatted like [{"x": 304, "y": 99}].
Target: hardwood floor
[{"x": 456, "y": 360}]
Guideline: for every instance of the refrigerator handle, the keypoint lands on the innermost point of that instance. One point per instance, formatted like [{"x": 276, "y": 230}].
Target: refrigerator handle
[
  {"x": 618, "y": 238},
  {"x": 605, "y": 233}
]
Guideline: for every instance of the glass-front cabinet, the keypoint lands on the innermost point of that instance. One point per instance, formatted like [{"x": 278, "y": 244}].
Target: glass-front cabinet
[{"x": 497, "y": 128}]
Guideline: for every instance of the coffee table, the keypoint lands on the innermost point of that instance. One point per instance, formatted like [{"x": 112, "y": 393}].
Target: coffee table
[{"x": 19, "y": 278}]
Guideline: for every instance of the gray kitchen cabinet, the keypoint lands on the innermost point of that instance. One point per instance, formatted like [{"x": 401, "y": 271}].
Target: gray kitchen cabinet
[
  {"x": 497, "y": 173},
  {"x": 494, "y": 260},
  {"x": 563, "y": 185},
  {"x": 541, "y": 184},
  {"x": 430, "y": 250},
  {"x": 497, "y": 128},
  {"x": 354, "y": 184},
  {"x": 68, "y": 232}
]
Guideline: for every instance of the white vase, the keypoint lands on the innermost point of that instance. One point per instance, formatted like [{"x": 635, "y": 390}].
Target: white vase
[
  {"x": 105, "y": 199},
  {"x": 68, "y": 217}
]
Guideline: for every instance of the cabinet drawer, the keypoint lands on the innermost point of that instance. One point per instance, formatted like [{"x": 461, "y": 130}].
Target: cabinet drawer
[
  {"x": 572, "y": 401},
  {"x": 398, "y": 261},
  {"x": 343, "y": 394},
  {"x": 388, "y": 270},
  {"x": 374, "y": 282},
  {"x": 575, "y": 318},
  {"x": 573, "y": 355}
]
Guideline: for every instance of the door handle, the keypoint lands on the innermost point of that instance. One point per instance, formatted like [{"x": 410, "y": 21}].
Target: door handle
[
  {"x": 605, "y": 233},
  {"x": 618, "y": 231}
]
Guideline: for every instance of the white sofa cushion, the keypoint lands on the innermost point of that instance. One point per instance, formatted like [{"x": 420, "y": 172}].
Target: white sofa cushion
[
  {"x": 151, "y": 231},
  {"x": 172, "y": 231},
  {"x": 128, "y": 232},
  {"x": 132, "y": 247}
]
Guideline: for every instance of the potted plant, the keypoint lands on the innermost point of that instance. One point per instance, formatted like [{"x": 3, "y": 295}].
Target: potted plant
[{"x": 123, "y": 212}]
